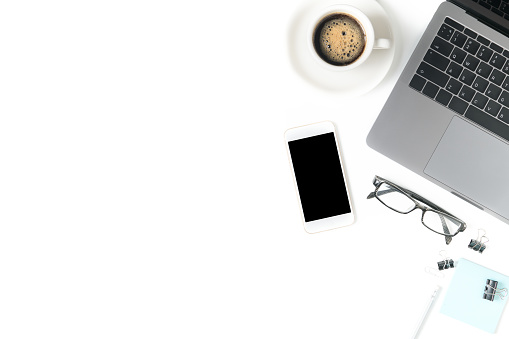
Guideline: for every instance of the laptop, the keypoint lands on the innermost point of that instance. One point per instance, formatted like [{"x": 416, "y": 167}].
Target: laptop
[{"x": 447, "y": 118}]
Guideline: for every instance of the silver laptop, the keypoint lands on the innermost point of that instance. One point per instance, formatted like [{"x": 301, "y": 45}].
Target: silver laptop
[{"x": 447, "y": 118}]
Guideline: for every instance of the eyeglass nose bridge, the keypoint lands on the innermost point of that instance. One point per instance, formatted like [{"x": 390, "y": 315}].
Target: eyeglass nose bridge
[
  {"x": 423, "y": 209},
  {"x": 421, "y": 206}
]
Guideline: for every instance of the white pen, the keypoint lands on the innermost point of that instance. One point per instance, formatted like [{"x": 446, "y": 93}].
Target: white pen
[{"x": 426, "y": 311}]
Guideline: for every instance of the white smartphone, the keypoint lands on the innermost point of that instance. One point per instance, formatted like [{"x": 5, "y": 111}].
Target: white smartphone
[{"x": 319, "y": 177}]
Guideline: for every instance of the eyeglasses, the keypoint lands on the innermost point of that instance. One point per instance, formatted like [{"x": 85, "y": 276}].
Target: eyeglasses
[{"x": 404, "y": 201}]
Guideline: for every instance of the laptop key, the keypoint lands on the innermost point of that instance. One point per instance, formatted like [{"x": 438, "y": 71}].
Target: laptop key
[
  {"x": 504, "y": 98},
  {"x": 494, "y": 3},
  {"x": 470, "y": 33},
  {"x": 497, "y": 77},
  {"x": 454, "y": 69},
  {"x": 504, "y": 115},
  {"x": 480, "y": 100},
  {"x": 454, "y": 24},
  {"x": 453, "y": 86},
  {"x": 432, "y": 74},
  {"x": 430, "y": 90},
  {"x": 483, "y": 40},
  {"x": 493, "y": 91},
  {"x": 443, "y": 97},
  {"x": 504, "y": 7},
  {"x": 466, "y": 93},
  {"x": 496, "y": 47},
  {"x": 505, "y": 84},
  {"x": 484, "y": 70},
  {"x": 459, "y": 39},
  {"x": 484, "y": 53},
  {"x": 497, "y": 60},
  {"x": 505, "y": 69},
  {"x": 471, "y": 46},
  {"x": 458, "y": 55},
  {"x": 436, "y": 59},
  {"x": 417, "y": 82},
  {"x": 492, "y": 108},
  {"x": 471, "y": 62},
  {"x": 445, "y": 32},
  {"x": 494, "y": 125},
  {"x": 480, "y": 84},
  {"x": 484, "y": 4},
  {"x": 467, "y": 77},
  {"x": 458, "y": 105},
  {"x": 442, "y": 46}
]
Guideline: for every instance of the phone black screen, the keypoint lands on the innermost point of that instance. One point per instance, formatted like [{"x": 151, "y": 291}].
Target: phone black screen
[{"x": 320, "y": 181}]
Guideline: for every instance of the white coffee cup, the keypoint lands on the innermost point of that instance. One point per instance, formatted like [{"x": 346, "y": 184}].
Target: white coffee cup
[{"x": 371, "y": 42}]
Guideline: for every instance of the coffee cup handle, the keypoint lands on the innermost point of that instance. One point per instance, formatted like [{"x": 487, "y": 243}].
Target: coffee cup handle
[{"x": 382, "y": 44}]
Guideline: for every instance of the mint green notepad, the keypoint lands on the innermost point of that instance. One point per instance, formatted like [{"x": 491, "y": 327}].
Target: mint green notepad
[{"x": 464, "y": 298}]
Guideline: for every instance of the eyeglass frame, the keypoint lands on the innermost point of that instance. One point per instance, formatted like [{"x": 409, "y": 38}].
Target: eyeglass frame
[{"x": 419, "y": 204}]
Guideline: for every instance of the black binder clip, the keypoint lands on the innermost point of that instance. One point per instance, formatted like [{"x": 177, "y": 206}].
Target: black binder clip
[
  {"x": 480, "y": 243},
  {"x": 491, "y": 290},
  {"x": 446, "y": 263}
]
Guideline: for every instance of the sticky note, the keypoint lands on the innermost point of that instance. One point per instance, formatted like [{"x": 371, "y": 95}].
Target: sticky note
[{"x": 464, "y": 297}]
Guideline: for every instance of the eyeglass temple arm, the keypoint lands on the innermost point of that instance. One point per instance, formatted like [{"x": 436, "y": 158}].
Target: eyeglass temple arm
[
  {"x": 448, "y": 238},
  {"x": 376, "y": 181},
  {"x": 372, "y": 194}
]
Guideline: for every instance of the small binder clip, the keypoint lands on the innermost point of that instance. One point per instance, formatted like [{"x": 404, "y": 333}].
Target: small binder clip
[
  {"x": 479, "y": 244},
  {"x": 491, "y": 290},
  {"x": 446, "y": 263}
]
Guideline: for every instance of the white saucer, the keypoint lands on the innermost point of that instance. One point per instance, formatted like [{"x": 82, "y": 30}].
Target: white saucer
[{"x": 355, "y": 82}]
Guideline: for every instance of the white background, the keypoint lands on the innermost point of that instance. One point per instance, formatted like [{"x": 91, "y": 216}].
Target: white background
[{"x": 145, "y": 190}]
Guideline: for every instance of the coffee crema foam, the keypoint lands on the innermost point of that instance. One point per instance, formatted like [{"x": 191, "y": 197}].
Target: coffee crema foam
[{"x": 339, "y": 39}]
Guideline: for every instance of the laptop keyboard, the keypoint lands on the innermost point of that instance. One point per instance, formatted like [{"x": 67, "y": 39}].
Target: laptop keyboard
[
  {"x": 500, "y": 7},
  {"x": 469, "y": 74}
]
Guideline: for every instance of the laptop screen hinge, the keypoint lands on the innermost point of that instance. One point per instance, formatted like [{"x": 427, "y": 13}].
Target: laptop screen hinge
[
  {"x": 482, "y": 18},
  {"x": 491, "y": 24}
]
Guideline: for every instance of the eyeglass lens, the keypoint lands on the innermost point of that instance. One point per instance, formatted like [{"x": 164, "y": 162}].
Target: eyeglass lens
[
  {"x": 394, "y": 199},
  {"x": 440, "y": 223}
]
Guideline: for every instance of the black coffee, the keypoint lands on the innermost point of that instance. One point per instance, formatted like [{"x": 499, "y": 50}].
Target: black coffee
[{"x": 339, "y": 39}]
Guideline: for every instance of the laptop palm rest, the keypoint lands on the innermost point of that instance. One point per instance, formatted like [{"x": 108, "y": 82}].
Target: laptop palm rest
[{"x": 473, "y": 163}]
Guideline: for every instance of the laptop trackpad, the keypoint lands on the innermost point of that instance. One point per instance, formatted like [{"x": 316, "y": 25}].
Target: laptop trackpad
[{"x": 472, "y": 162}]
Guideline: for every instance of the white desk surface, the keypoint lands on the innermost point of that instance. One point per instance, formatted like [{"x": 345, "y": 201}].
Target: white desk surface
[{"x": 145, "y": 190}]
